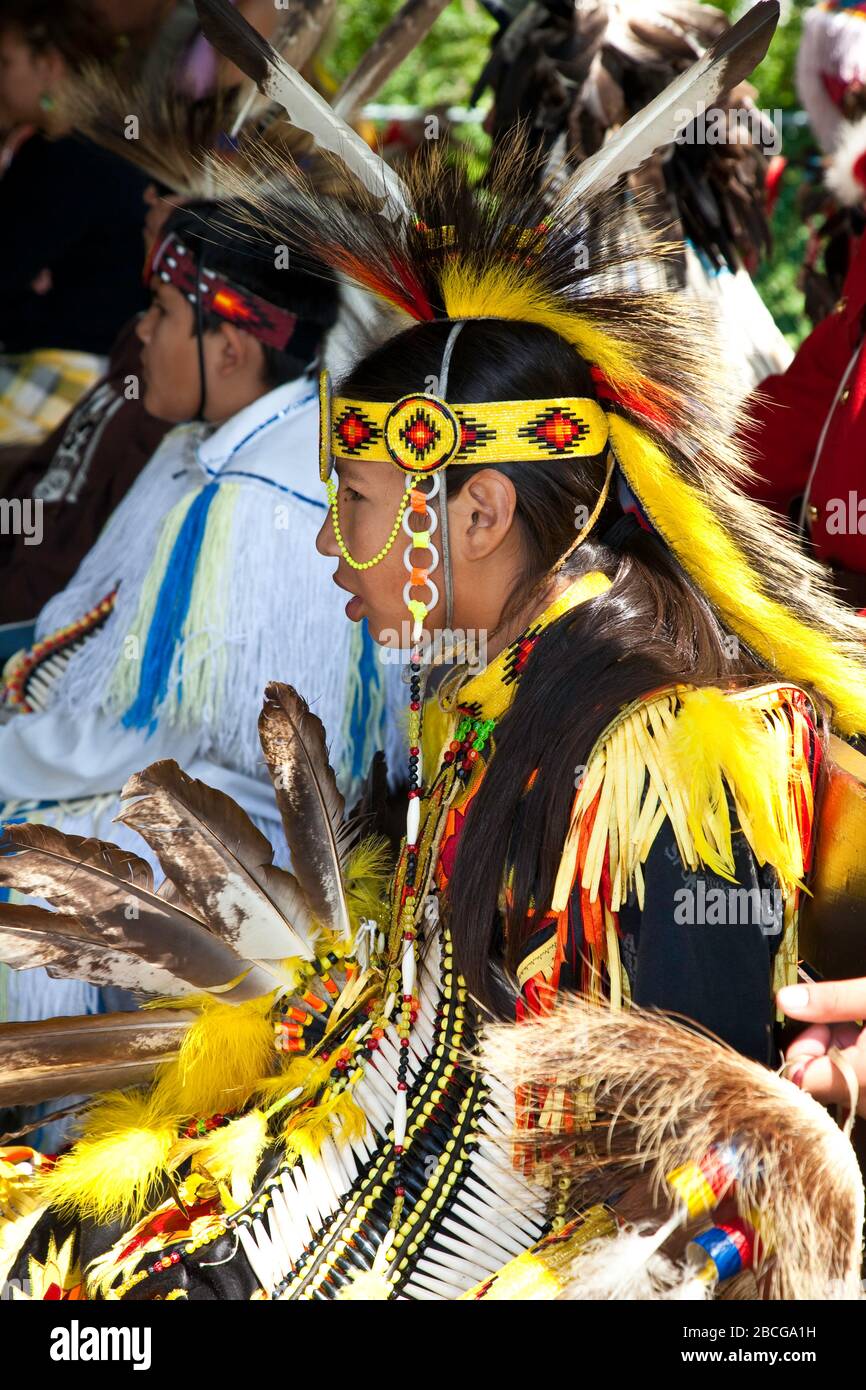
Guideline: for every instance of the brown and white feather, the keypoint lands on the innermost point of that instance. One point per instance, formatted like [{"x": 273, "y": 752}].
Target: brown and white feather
[
  {"x": 310, "y": 803},
  {"x": 110, "y": 893},
  {"x": 63, "y": 1056},
  {"x": 219, "y": 862}
]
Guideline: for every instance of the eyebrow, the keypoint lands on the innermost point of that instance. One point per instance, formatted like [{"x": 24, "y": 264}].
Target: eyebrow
[{"x": 350, "y": 468}]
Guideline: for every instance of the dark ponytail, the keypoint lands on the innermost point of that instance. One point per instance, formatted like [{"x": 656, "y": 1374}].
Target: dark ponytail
[{"x": 649, "y": 629}]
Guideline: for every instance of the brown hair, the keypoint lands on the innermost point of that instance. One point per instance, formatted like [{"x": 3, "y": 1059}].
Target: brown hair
[{"x": 71, "y": 27}]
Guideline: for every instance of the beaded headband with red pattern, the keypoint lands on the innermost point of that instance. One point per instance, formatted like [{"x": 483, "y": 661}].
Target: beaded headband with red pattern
[{"x": 175, "y": 264}]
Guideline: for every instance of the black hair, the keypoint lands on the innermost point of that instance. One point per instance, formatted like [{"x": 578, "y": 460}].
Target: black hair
[
  {"x": 221, "y": 234},
  {"x": 651, "y": 628},
  {"x": 73, "y": 27}
]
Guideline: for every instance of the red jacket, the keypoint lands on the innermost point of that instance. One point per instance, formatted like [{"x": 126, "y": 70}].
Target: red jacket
[{"x": 807, "y": 431}]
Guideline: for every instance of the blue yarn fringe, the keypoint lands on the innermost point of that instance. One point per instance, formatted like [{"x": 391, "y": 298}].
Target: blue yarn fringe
[
  {"x": 169, "y": 614},
  {"x": 359, "y": 732}
]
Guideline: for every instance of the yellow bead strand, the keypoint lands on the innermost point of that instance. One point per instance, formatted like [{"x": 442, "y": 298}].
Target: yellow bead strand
[{"x": 333, "y": 499}]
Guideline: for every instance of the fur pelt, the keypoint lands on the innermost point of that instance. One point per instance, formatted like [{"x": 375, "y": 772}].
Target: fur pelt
[{"x": 662, "y": 1095}]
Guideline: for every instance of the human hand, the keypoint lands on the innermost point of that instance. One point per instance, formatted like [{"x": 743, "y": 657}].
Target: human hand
[{"x": 831, "y": 1009}]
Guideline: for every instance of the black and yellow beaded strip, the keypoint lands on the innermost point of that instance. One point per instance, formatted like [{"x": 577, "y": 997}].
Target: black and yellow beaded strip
[{"x": 343, "y": 1245}]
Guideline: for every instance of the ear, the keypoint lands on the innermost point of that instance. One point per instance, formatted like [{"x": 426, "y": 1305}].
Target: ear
[
  {"x": 481, "y": 516},
  {"x": 236, "y": 352}
]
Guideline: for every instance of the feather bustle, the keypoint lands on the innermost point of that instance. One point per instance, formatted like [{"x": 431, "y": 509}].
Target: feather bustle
[
  {"x": 726, "y": 62},
  {"x": 63, "y": 1056},
  {"x": 219, "y": 862},
  {"x": 110, "y": 892}
]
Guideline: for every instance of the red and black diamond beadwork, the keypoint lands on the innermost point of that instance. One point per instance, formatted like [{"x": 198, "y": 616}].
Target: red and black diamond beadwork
[
  {"x": 556, "y": 430},
  {"x": 355, "y": 431},
  {"x": 422, "y": 434}
]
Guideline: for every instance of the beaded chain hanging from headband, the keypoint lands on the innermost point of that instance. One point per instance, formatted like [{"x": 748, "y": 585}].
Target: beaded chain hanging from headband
[{"x": 419, "y": 523}]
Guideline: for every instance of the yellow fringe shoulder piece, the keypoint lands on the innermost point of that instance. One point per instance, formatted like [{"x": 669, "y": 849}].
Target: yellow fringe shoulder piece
[{"x": 679, "y": 755}]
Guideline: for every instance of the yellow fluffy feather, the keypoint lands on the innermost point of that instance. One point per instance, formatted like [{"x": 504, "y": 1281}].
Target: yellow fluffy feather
[
  {"x": 223, "y": 1060},
  {"x": 130, "y": 1140},
  {"x": 231, "y": 1155},
  {"x": 115, "y": 1169},
  {"x": 367, "y": 873},
  {"x": 306, "y": 1130}
]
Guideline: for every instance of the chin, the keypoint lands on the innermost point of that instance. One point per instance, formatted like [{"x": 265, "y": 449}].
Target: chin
[
  {"x": 393, "y": 636},
  {"x": 161, "y": 410}
]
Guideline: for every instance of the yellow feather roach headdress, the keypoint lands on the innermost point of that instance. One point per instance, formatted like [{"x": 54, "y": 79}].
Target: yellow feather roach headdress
[
  {"x": 659, "y": 373},
  {"x": 440, "y": 249}
]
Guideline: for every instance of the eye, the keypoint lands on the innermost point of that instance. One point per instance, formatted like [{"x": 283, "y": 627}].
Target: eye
[{"x": 351, "y": 495}]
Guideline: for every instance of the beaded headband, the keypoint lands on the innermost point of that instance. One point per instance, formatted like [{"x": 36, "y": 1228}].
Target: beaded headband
[
  {"x": 421, "y": 433},
  {"x": 175, "y": 264}
]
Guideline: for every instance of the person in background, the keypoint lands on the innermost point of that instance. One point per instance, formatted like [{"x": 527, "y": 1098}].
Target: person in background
[
  {"x": 164, "y": 36},
  {"x": 149, "y": 32},
  {"x": 831, "y": 85},
  {"x": 204, "y": 585},
  {"x": 201, "y": 70},
  {"x": 76, "y": 477},
  {"x": 805, "y": 428},
  {"x": 70, "y": 224}
]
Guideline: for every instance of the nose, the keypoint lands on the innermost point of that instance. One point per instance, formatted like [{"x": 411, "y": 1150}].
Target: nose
[{"x": 326, "y": 541}]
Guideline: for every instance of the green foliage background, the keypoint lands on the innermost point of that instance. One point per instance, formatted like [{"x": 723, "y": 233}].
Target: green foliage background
[{"x": 443, "y": 69}]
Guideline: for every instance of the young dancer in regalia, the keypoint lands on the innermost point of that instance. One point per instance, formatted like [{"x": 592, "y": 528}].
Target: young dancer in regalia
[
  {"x": 538, "y": 455},
  {"x": 205, "y": 581}
]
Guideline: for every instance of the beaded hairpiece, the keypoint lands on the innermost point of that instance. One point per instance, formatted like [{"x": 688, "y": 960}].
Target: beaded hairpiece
[{"x": 422, "y": 434}]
